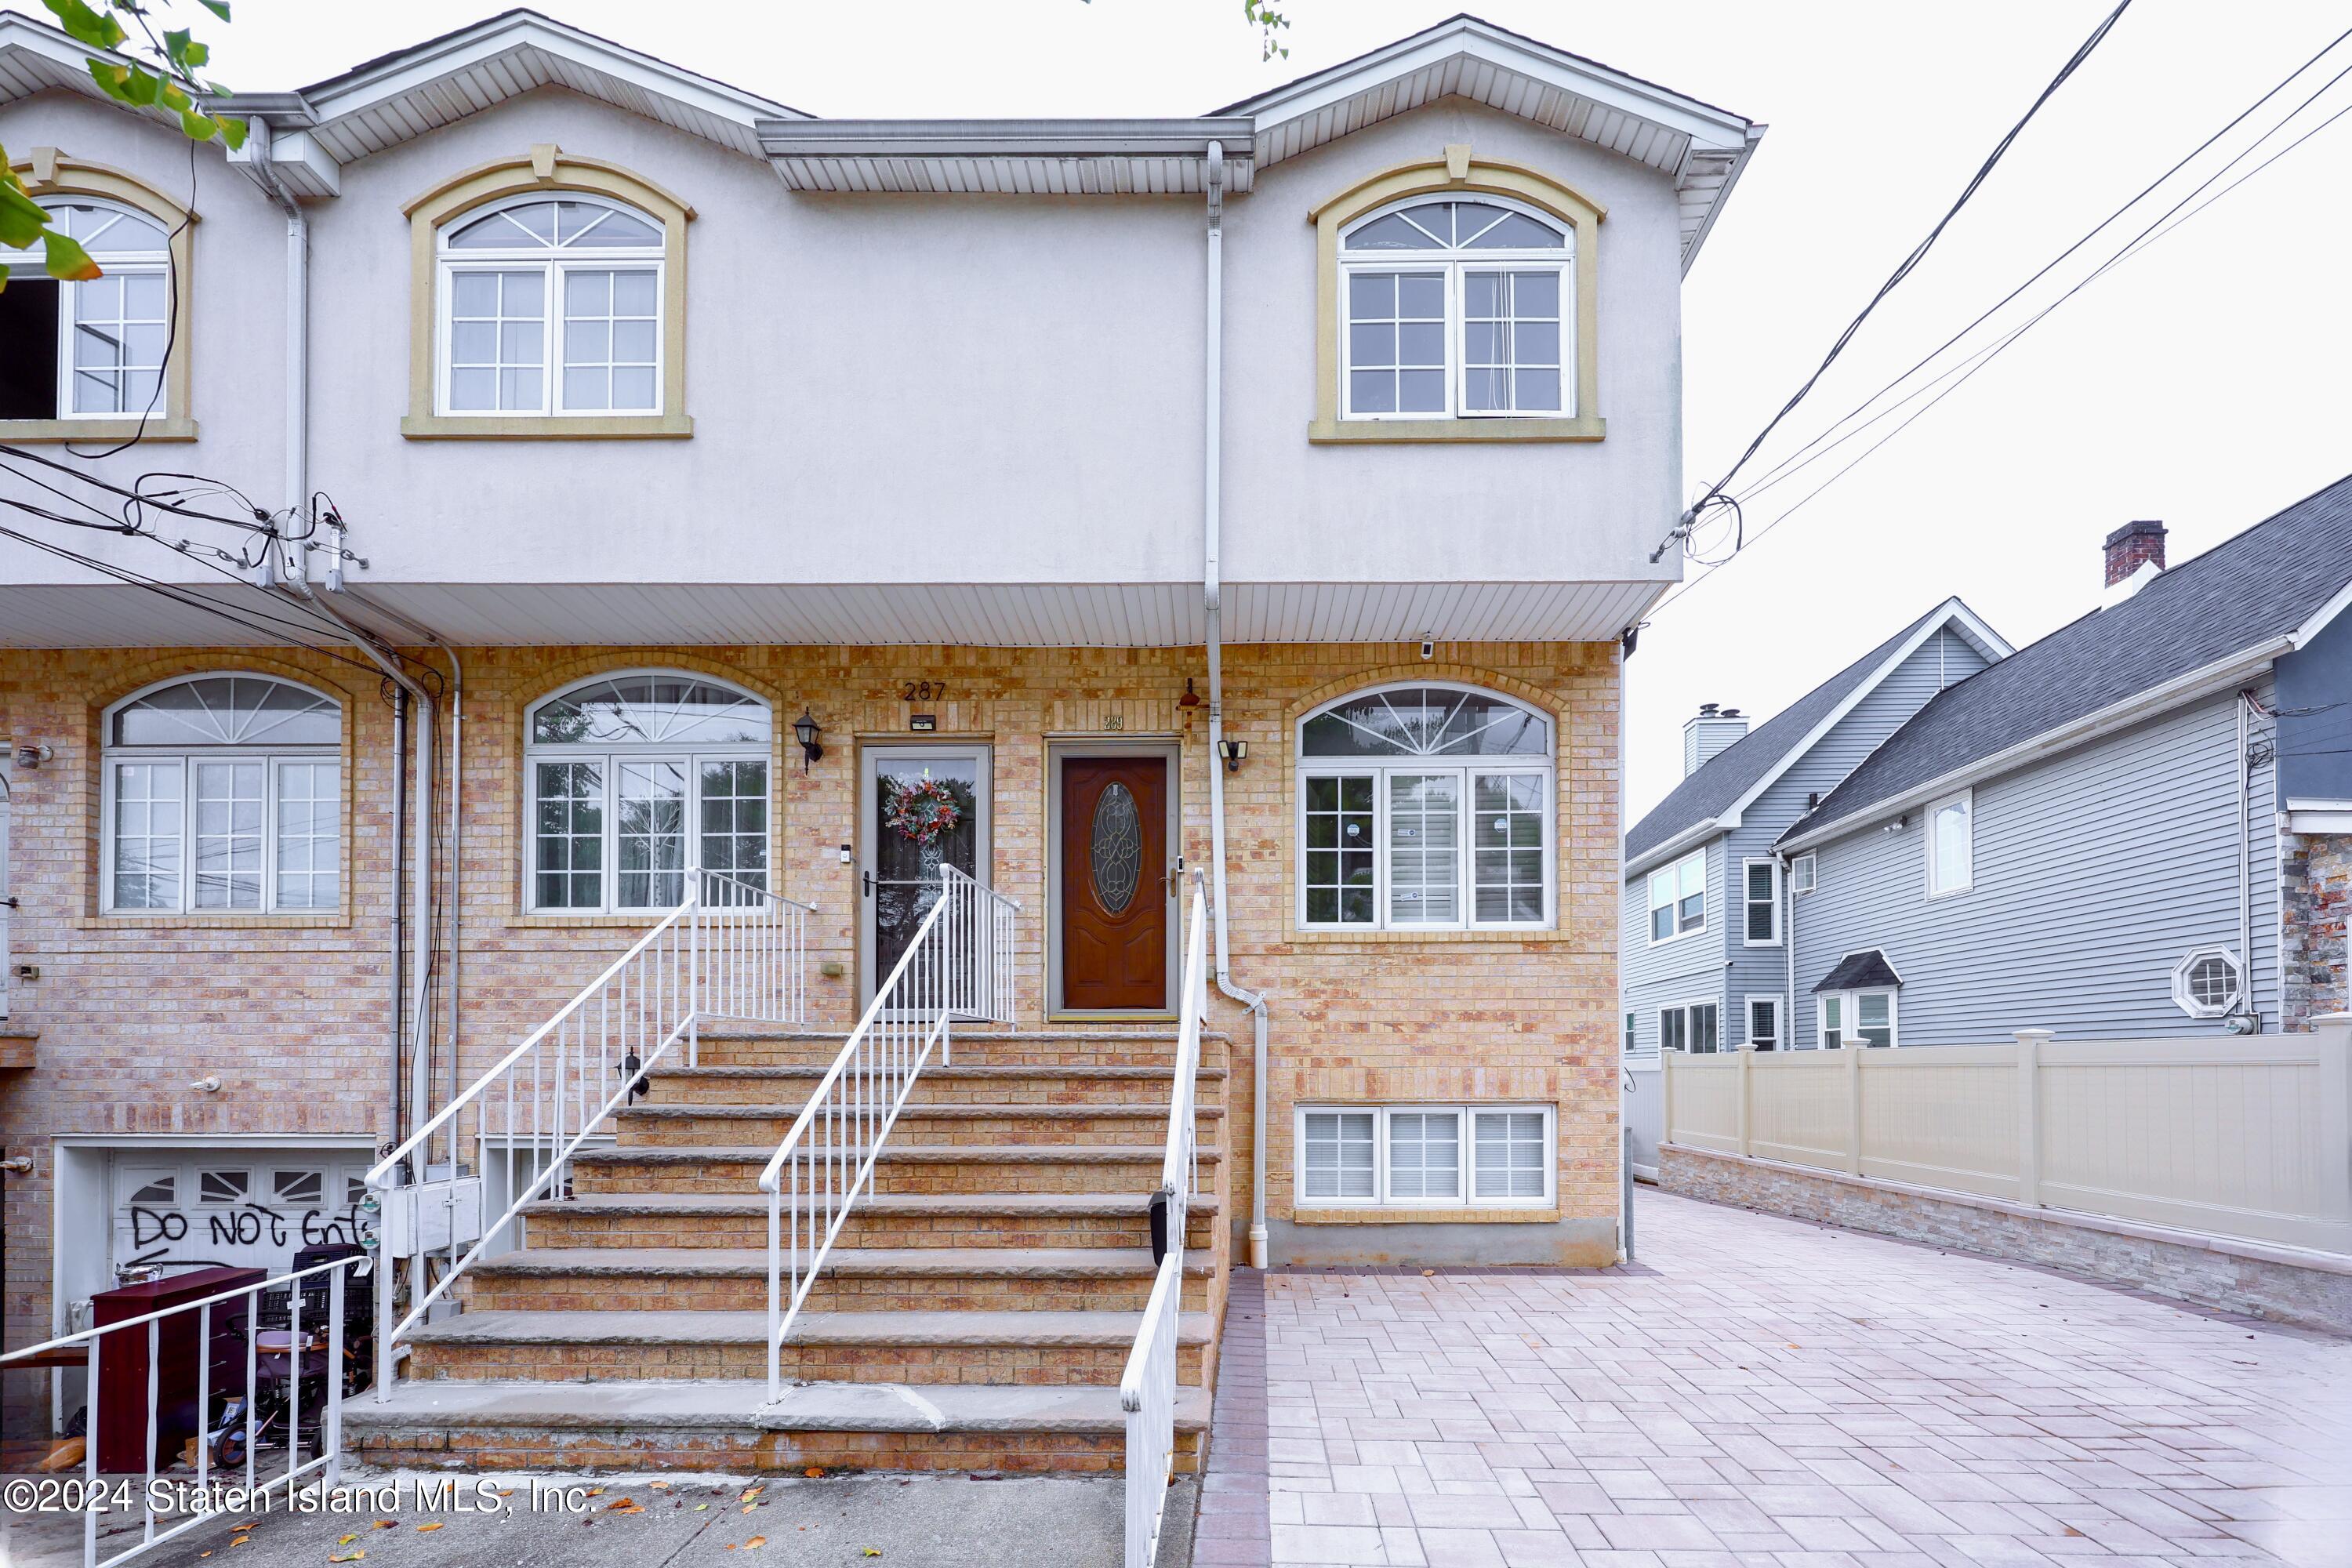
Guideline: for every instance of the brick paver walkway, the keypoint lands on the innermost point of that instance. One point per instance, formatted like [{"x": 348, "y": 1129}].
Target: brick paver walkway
[{"x": 1759, "y": 1390}]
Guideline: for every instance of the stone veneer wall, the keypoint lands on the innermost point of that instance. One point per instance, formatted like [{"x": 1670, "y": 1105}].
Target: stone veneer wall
[
  {"x": 293, "y": 1012},
  {"x": 2317, "y": 897},
  {"x": 2312, "y": 1289}
]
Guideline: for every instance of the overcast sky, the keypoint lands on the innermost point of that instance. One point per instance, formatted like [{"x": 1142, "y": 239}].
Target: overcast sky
[{"x": 2202, "y": 383}]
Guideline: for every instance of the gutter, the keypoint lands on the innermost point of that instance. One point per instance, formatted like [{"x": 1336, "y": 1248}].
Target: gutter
[
  {"x": 1213, "y": 603},
  {"x": 2205, "y": 681}
]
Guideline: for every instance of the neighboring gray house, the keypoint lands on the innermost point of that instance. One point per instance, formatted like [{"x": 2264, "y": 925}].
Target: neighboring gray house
[
  {"x": 2140, "y": 824},
  {"x": 1705, "y": 902}
]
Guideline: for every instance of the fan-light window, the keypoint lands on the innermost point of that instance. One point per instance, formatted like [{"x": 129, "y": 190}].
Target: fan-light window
[
  {"x": 619, "y": 767},
  {"x": 224, "y": 793},
  {"x": 1457, "y": 309},
  {"x": 1447, "y": 1156},
  {"x": 551, "y": 305},
  {"x": 1425, "y": 808}
]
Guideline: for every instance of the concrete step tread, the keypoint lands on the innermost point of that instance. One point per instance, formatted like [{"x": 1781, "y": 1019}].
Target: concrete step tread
[
  {"x": 729, "y": 1262},
  {"x": 912, "y": 1154},
  {"x": 980, "y": 1036},
  {"x": 805, "y": 1407},
  {"x": 780, "y": 1110},
  {"x": 928, "y": 1328},
  {"x": 957, "y": 1072},
  {"x": 952, "y": 1205}
]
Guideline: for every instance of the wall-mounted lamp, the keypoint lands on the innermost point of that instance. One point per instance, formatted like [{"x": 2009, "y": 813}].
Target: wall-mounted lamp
[
  {"x": 1898, "y": 825},
  {"x": 1234, "y": 753},
  {"x": 805, "y": 731},
  {"x": 34, "y": 756},
  {"x": 1191, "y": 698},
  {"x": 209, "y": 1084}
]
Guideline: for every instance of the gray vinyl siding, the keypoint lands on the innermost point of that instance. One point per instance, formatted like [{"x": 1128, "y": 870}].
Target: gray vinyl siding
[
  {"x": 2093, "y": 873},
  {"x": 1686, "y": 969},
  {"x": 1944, "y": 660},
  {"x": 2315, "y": 723}
]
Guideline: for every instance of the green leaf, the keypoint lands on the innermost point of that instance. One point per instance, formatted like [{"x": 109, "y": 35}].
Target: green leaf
[
  {"x": 22, "y": 219},
  {"x": 175, "y": 97},
  {"x": 141, "y": 88},
  {"x": 217, "y": 7},
  {"x": 98, "y": 30},
  {"x": 199, "y": 127},
  {"x": 67, "y": 259},
  {"x": 232, "y": 131},
  {"x": 110, "y": 80},
  {"x": 195, "y": 54},
  {"x": 175, "y": 46}
]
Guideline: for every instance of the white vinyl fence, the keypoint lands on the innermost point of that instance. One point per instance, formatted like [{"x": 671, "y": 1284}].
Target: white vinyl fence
[{"x": 2239, "y": 1136}]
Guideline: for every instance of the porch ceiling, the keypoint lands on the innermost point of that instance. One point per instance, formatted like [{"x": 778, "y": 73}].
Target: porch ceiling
[{"x": 1103, "y": 615}]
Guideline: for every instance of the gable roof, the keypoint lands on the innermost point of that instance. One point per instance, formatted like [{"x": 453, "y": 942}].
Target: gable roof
[
  {"x": 2208, "y": 623},
  {"x": 1709, "y": 801},
  {"x": 1702, "y": 147},
  {"x": 1865, "y": 970}
]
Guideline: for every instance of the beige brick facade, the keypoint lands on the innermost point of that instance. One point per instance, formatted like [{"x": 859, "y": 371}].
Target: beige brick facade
[{"x": 293, "y": 1013}]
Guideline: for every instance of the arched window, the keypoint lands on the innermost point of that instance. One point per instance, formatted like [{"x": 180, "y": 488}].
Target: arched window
[
  {"x": 1457, "y": 308},
  {"x": 1426, "y": 806},
  {"x": 93, "y": 348},
  {"x": 224, "y": 792},
  {"x": 551, "y": 305},
  {"x": 620, "y": 765}
]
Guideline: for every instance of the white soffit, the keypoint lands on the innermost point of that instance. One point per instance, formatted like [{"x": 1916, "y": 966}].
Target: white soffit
[
  {"x": 1006, "y": 615},
  {"x": 1006, "y": 157},
  {"x": 1702, "y": 147}
]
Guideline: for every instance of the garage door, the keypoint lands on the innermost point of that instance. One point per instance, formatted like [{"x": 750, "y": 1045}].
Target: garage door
[{"x": 243, "y": 1208}]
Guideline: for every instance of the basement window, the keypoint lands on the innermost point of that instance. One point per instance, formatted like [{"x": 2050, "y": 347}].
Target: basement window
[{"x": 1408, "y": 1156}]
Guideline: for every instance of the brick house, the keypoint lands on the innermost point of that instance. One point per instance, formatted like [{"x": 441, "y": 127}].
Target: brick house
[{"x": 1250, "y": 491}]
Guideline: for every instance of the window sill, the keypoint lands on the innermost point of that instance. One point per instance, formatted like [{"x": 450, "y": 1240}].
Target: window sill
[
  {"x": 1340, "y": 431},
  {"x": 41, "y": 432},
  {"x": 539, "y": 428},
  {"x": 1496, "y": 1215},
  {"x": 1548, "y": 936},
  {"x": 185, "y": 921},
  {"x": 586, "y": 919}
]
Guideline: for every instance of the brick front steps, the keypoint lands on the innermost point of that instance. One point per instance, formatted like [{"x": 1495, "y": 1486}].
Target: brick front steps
[{"x": 975, "y": 1313}]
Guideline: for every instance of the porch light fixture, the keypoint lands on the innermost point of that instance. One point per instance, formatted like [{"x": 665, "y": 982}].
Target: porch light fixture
[
  {"x": 805, "y": 731},
  {"x": 1233, "y": 751},
  {"x": 1191, "y": 698}
]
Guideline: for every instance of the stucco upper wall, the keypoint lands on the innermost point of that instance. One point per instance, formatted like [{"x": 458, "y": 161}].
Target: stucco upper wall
[{"x": 912, "y": 388}]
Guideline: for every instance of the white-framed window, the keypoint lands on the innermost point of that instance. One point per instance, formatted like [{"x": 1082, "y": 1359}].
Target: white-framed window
[
  {"x": 1868, "y": 1017},
  {"x": 1801, "y": 874},
  {"x": 1457, "y": 309},
  {"x": 2209, "y": 983},
  {"x": 223, "y": 792},
  {"x": 93, "y": 348},
  {"x": 1951, "y": 845},
  {"x": 1695, "y": 1026},
  {"x": 550, "y": 305},
  {"x": 1764, "y": 1023},
  {"x": 621, "y": 768},
  {"x": 1426, "y": 1156},
  {"x": 1425, "y": 808},
  {"x": 1760, "y": 897},
  {"x": 1678, "y": 898}
]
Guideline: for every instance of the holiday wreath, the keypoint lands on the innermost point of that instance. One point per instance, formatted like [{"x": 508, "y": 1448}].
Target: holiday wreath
[{"x": 922, "y": 811}]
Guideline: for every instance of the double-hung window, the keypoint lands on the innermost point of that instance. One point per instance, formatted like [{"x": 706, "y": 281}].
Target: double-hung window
[
  {"x": 1695, "y": 1026},
  {"x": 551, "y": 305},
  {"x": 1866, "y": 1017},
  {"x": 624, "y": 771},
  {"x": 1678, "y": 897},
  {"x": 224, "y": 793},
  {"x": 1442, "y": 1156},
  {"x": 1761, "y": 903},
  {"x": 1425, "y": 808},
  {"x": 1764, "y": 1023},
  {"x": 1457, "y": 309},
  {"x": 1951, "y": 845},
  {"x": 93, "y": 348}
]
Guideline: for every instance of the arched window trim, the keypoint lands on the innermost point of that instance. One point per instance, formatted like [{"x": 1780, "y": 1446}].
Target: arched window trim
[
  {"x": 51, "y": 177},
  {"x": 1557, "y": 224},
  {"x": 1499, "y": 870},
  {"x": 1460, "y": 175},
  {"x": 734, "y": 780},
  {"x": 545, "y": 173},
  {"x": 155, "y": 795}
]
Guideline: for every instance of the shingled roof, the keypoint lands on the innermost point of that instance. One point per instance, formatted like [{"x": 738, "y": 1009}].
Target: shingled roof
[{"x": 2278, "y": 579}]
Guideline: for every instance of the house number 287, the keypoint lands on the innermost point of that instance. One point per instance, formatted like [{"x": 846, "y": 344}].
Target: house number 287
[{"x": 921, "y": 690}]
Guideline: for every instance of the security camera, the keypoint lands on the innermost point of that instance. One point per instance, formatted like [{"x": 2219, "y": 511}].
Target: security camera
[{"x": 1429, "y": 650}]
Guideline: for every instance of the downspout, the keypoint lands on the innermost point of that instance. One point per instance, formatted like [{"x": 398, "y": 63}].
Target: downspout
[
  {"x": 1212, "y": 602},
  {"x": 2246, "y": 860},
  {"x": 1788, "y": 950}
]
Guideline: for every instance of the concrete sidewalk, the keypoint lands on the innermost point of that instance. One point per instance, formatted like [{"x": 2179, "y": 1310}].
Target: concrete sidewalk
[{"x": 870, "y": 1520}]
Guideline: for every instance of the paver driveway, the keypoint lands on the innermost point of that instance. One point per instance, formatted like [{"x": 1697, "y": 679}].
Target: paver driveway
[{"x": 1760, "y": 1391}]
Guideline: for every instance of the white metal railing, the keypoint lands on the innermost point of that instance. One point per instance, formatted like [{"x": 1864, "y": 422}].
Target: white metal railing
[
  {"x": 1147, "y": 1388},
  {"x": 958, "y": 968},
  {"x": 278, "y": 1363},
  {"x": 730, "y": 950}
]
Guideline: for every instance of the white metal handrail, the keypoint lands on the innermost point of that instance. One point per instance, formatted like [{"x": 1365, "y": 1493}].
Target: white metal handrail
[
  {"x": 730, "y": 950},
  {"x": 958, "y": 968},
  {"x": 1147, "y": 1388},
  {"x": 327, "y": 1449}
]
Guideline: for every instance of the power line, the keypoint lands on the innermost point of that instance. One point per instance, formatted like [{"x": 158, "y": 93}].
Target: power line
[{"x": 1681, "y": 529}]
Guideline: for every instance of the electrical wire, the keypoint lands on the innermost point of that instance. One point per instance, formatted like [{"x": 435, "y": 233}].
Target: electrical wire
[
  {"x": 170, "y": 318},
  {"x": 1715, "y": 492}
]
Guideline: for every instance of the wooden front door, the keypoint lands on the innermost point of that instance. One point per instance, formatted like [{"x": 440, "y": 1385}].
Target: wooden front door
[{"x": 1114, "y": 891}]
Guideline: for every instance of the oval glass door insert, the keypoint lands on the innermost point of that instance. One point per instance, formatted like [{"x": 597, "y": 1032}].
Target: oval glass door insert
[{"x": 1117, "y": 851}]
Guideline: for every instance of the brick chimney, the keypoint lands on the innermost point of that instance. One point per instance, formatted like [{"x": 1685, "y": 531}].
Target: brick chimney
[
  {"x": 2132, "y": 546},
  {"x": 1716, "y": 729}
]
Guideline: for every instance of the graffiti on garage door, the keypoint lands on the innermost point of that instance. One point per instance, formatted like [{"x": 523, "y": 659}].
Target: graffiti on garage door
[{"x": 242, "y": 1211}]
